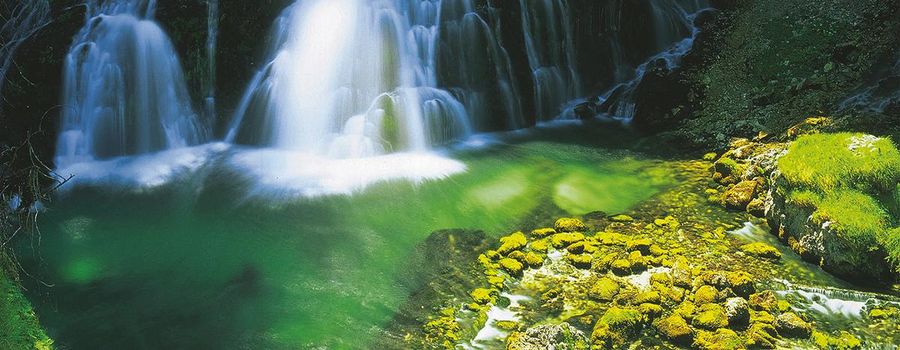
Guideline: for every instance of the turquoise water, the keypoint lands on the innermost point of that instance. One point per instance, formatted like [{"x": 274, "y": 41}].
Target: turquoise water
[{"x": 196, "y": 265}]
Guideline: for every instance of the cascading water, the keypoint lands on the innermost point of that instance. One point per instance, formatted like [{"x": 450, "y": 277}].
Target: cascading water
[
  {"x": 212, "y": 34},
  {"x": 124, "y": 91},
  {"x": 351, "y": 79},
  {"x": 477, "y": 68},
  {"x": 25, "y": 19},
  {"x": 880, "y": 95},
  {"x": 670, "y": 19},
  {"x": 551, "y": 54}
]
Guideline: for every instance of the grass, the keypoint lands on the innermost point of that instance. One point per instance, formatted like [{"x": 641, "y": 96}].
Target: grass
[
  {"x": 851, "y": 181},
  {"x": 826, "y": 162}
]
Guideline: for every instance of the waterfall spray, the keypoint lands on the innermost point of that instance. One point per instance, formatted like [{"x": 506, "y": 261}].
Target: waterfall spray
[{"x": 124, "y": 90}]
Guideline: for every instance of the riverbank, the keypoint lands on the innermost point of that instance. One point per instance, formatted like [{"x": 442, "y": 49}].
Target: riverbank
[
  {"x": 676, "y": 270},
  {"x": 20, "y": 328}
]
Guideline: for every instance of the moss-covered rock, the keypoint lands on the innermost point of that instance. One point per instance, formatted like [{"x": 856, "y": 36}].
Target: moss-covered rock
[
  {"x": 543, "y": 232},
  {"x": 581, "y": 261},
  {"x": 722, "y": 339},
  {"x": 483, "y": 296},
  {"x": 740, "y": 195},
  {"x": 675, "y": 329},
  {"x": 843, "y": 341},
  {"x": 738, "y": 312},
  {"x": 569, "y": 225},
  {"x": 741, "y": 283},
  {"x": 711, "y": 317},
  {"x": 706, "y": 294},
  {"x": 764, "y": 301},
  {"x": 513, "y": 242},
  {"x": 605, "y": 289},
  {"x": 762, "y": 336},
  {"x": 562, "y": 240},
  {"x": 561, "y": 336},
  {"x": 625, "y": 321},
  {"x": 512, "y": 266},
  {"x": 791, "y": 325},
  {"x": 762, "y": 250}
]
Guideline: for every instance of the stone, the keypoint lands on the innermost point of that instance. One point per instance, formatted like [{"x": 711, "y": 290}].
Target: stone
[
  {"x": 513, "y": 242},
  {"x": 650, "y": 310},
  {"x": 739, "y": 196},
  {"x": 581, "y": 261},
  {"x": 561, "y": 336},
  {"x": 512, "y": 266},
  {"x": 706, "y": 294},
  {"x": 791, "y": 325},
  {"x": 621, "y": 267},
  {"x": 675, "y": 329},
  {"x": 605, "y": 289},
  {"x": 722, "y": 339},
  {"x": 625, "y": 321},
  {"x": 741, "y": 283},
  {"x": 711, "y": 317},
  {"x": 569, "y": 225},
  {"x": 651, "y": 296},
  {"x": 641, "y": 244},
  {"x": 764, "y": 301},
  {"x": 738, "y": 312},
  {"x": 543, "y": 232},
  {"x": 483, "y": 296},
  {"x": 533, "y": 260},
  {"x": 561, "y": 240},
  {"x": 621, "y": 218},
  {"x": 757, "y": 208},
  {"x": 762, "y": 250},
  {"x": 762, "y": 336}
]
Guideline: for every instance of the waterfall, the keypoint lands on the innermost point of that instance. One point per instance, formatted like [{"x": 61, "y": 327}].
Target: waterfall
[
  {"x": 477, "y": 68},
  {"x": 670, "y": 17},
  {"x": 124, "y": 90},
  {"x": 24, "y": 20},
  {"x": 547, "y": 26},
  {"x": 351, "y": 79},
  {"x": 212, "y": 34},
  {"x": 879, "y": 95}
]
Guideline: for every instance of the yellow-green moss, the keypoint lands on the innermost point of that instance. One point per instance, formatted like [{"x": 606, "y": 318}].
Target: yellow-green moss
[
  {"x": 762, "y": 250},
  {"x": 843, "y": 160},
  {"x": 513, "y": 242},
  {"x": 675, "y": 329},
  {"x": 512, "y": 266},
  {"x": 844, "y": 341},
  {"x": 605, "y": 289},
  {"x": 711, "y": 316},
  {"x": 561, "y": 240},
  {"x": 19, "y": 327},
  {"x": 569, "y": 225}
]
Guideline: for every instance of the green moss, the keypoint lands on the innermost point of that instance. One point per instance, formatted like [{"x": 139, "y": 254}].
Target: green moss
[
  {"x": 569, "y": 225},
  {"x": 512, "y": 266},
  {"x": 561, "y": 240},
  {"x": 513, "y": 242},
  {"x": 19, "y": 328},
  {"x": 855, "y": 216},
  {"x": 623, "y": 320},
  {"x": 762, "y": 250},
  {"x": 711, "y": 316},
  {"x": 826, "y": 162},
  {"x": 605, "y": 289},
  {"x": 676, "y": 329},
  {"x": 722, "y": 339},
  {"x": 844, "y": 341},
  {"x": 483, "y": 296}
]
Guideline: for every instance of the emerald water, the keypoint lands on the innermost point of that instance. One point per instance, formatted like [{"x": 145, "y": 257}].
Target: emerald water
[{"x": 195, "y": 264}]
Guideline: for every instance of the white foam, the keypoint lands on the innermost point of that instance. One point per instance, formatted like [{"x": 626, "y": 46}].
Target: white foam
[
  {"x": 141, "y": 172},
  {"x": 286, "y": 174},
  {"x": 642, "y": 281}
]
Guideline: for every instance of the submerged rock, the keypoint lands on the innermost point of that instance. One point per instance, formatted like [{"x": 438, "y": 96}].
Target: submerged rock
[
  {"x": 569, "y": 225},
  {"x": 711, "y": 317},
  {"x": 791, "y": 325},
  {"x": 740, "y": 195},
  {"x": 761, "y": 250}
]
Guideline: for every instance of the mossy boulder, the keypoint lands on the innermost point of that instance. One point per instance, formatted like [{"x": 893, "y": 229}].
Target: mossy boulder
[
  {"x": 739, "y": 196},
  {"x": 562, "y": 240},
  {"x": 675, "y": 329},
  {"x": 762, "y": 250},
  {"x": 741, "y": 283},
  {"x": 569, "y": 225},
  {"x": 621, "y": 267},
  {"x": 561, "y": 336},
  {"x": 625, "y": 321},
  {"x": 621, "y": 218},
  {"x": 639, "y": 244},
  {"x": 581, "y": 261},
  {"x": 722, "y": 339},
  {"x": 843, "y": 341},
  {"x": 513, "y": 242},
  {"x": 512, "y": 266},
  {"x": 764, "y": 301},
  {"x": 738, "y": 312},
  {"x": 834, "y": 202},
  {"x": 483, "y": 296},
  {"x": 533, "y": 260},
  {"x": 605, "y": 289},
  {"x": 791, "y": 325},
  {"x": 762, "y": 336},
  {"x": 711, "y": 317},
  {"x": 706, "y": 294},
  {"x": 543, "y": 232}
]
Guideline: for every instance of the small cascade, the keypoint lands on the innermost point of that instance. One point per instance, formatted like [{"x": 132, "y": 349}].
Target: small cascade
[
  {"x": 477, "y": 68},
  {"x": 881, "y": 94},
  {"x": 25, "y": 19},
  {"x": 834, "y": 301},
  {"x": 547, "y": 26},
  {"x": 670, "y": 18},
  {"x": 212, "y": 34},
  {"x": 124, "y": 90},
  {"x": 351, "y": 79}
]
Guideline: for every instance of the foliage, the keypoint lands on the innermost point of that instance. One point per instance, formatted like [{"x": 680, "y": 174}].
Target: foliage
[{"x": 844, "y": 160}]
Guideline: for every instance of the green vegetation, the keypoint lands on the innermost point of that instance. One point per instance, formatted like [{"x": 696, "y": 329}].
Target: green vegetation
[
  {"x": 767, "y": 64},
  {"x": 19, "y": 328},
  {"x": 842, "y": 178},
  {"x": 845, "y": 160}
]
